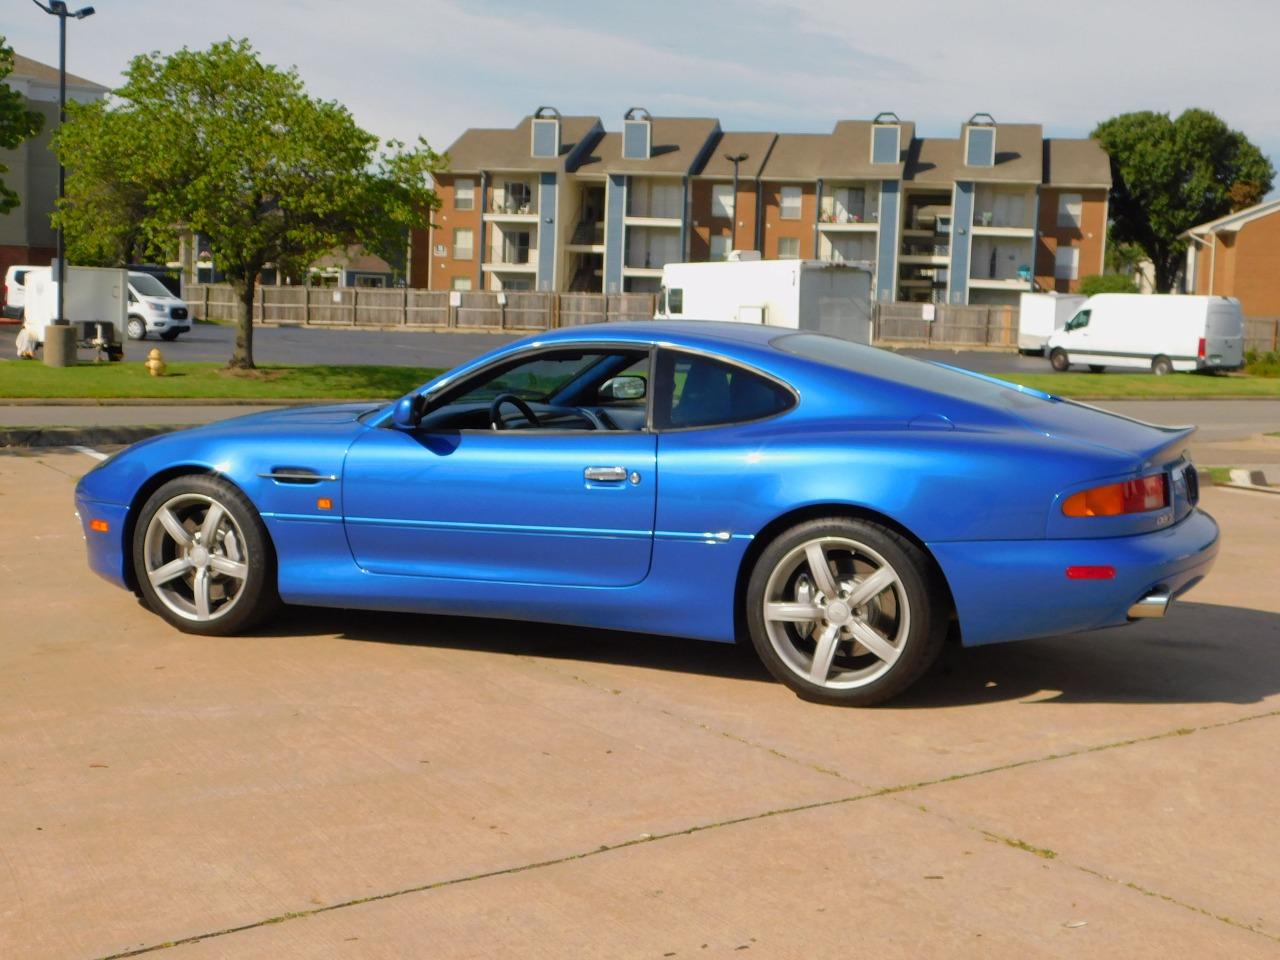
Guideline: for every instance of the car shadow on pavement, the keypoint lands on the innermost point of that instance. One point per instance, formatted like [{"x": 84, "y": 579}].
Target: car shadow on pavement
[{"x": 1201, "y": 653}]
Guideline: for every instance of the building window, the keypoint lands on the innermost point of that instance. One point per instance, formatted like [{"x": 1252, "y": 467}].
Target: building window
[
  {"x": 1070, "y": 206},
  {"x": 789, "y": 205},
  {"x": 460, "y": 283},
  {"x": 980, "y": 151},
  {"x": 464, "y": 194},
  {"x": 719, "y": 247},
  {"x": 463, "y": 243},
  {"x": 722, "y": 201},
  {"x": 788, "y": 248},
  {"x": 884, "y": 144},
  {"x": 1066, "y": 263}
]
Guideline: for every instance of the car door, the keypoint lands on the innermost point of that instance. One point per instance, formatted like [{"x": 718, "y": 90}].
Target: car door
[{"x": 556, "y": 507}]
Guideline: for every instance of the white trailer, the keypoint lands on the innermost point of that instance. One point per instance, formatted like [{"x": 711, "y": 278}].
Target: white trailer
[
  {"x": 96, "y": 303},
  {"x": 1156, "y": 332},
  {"x": 832, "y": 298},
  {"x": 1040, "y": 315}
]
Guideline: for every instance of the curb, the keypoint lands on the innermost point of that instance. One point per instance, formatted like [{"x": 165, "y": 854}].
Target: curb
[{"x": 40, "y": 437}]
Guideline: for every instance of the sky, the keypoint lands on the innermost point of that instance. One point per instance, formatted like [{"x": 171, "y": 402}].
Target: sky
[{"x": 432, "y": 68}]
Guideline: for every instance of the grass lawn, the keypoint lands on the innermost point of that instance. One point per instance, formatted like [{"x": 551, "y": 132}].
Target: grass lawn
[
  {"x": 1144, "y": 386},
  {"x": 27, "y": 378}
]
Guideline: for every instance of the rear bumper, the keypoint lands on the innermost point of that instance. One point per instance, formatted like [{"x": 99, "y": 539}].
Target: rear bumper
[{"x": 1018, "y": 589}]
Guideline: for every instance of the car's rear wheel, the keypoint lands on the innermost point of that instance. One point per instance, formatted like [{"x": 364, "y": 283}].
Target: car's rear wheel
[
  {"x": 1058, "y": 359},
  {"x": 136, "y": 328},
  {"x": 202, "y": 557},
  {"x": 845, "y": 611},
  {"x": 1161, "y": 366}
]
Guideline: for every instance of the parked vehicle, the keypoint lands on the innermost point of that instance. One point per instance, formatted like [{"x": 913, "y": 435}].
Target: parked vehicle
[
  {"x": 843, "y": 507},
  {"x": 95, "y": 302},
  {"x": 832, "y": 298},
  {"x": 1157, "y": 332},
  {"x": 1040, "y": 315},
  {"x": 15, "y": 295},
  {"x": 154, "y": 309}
]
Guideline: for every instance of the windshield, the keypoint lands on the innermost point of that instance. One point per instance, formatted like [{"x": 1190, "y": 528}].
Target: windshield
[
  {"x": 145, "y": 285},
  {"x": 538, "y": 379},
  {"x": 887, "y": 365}
]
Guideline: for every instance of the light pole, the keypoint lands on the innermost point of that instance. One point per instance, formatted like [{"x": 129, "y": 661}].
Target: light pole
[
  {"x": 735, "y": 160},
  {"x": 58, "y": 8}
]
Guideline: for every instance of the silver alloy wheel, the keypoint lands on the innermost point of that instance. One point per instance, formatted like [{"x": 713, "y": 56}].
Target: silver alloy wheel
[
  {"x": 195, "y": 557},
  {"x": 836, "y": 613},
  {"x": 137, "y": 329}
]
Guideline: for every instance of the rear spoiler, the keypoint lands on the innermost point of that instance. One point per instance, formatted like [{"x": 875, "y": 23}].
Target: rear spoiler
[{"x": 1168, "y": 445}]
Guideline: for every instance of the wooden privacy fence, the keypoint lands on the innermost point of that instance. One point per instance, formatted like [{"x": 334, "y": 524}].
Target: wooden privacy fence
[
  {"x": 922, "y": 324},
  {"x": 1262, "y": 333},
  {"x": 430, "y": 309}
]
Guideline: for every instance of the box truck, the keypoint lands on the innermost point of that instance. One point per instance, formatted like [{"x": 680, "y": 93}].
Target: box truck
[
  {"x": 1156, "y": 332},
  {"x": 95, "y": 303},
  {"x": 832, "y": 298},
  {"x": 1040, "y": 315}
]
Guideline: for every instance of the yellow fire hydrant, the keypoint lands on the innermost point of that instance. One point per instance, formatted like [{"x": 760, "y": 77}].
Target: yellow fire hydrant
[{"x": 155, "y": 362}]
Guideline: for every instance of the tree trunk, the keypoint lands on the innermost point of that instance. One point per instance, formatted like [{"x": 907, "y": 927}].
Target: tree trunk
[{"x": 242, "y": 357}]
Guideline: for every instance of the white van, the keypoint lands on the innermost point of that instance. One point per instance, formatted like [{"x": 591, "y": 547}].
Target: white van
[
  {"x": 153, "y": 309},
  {"x": 831, "y": 298},
  {"x": 15, "y": 293},
  {"x": 1156, "y": 332}
]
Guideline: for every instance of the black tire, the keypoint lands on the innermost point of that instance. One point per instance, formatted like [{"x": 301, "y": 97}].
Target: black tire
[
  {"x": 909, "y": 615},
  {"x": 1162, "y": 366},
  {"x": 244, "y": 602},
  {"x": 170, "y": 335},
  {"x": 1059, "y": 360},
  {"x": 1097, "y": 368},
  {"x": 136, "y": 328}
]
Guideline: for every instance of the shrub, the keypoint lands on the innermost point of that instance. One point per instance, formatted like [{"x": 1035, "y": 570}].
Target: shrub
[{"x": 1107, "y": 283}]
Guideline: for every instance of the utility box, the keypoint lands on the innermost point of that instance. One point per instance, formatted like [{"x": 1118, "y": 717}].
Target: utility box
[
  {"x": 96, "y": 303},
  {"x": 814, "y": 295}
]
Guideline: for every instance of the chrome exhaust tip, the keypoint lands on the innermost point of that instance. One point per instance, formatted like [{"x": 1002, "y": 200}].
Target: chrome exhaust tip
[{"x": 1154, "y": 604}]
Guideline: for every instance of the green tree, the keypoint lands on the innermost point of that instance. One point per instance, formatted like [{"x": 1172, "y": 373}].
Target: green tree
[
  {"x": 1171, "y": 174},
  {"x": 17, "y": 123},
  {"x": 218, "y": 143}
]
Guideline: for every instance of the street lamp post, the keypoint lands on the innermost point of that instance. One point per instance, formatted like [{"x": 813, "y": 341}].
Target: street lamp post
[
  {"x": 735, "y": 160},
  {"x": 58, "y": 8}
]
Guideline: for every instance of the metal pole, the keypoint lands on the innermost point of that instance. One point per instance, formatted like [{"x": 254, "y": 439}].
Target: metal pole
[
  {"x": 733, "y": 227},
  {"x": 58, "y": 318}
]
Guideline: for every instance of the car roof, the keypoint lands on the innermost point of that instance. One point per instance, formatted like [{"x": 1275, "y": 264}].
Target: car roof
[{"x": 682, "y": 332}]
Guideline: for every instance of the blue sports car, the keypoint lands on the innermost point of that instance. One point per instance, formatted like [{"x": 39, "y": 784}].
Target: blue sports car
[{"x": 844, "y": 507}]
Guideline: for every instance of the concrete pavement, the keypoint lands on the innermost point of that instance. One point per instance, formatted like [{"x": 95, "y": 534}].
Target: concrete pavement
[{"x": 353, "y": 784}]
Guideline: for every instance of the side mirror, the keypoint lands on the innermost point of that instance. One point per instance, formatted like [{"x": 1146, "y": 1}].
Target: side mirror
[
  {"x": 623, "y": 388},
  {"x": 405, "y": 416}
]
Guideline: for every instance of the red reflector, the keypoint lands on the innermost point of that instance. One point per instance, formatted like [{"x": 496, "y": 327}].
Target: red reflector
[
  {"x": 100, "y": 526},
  {"x": 1091, "y": 573},
  {"x": 1200, "y": 349}
]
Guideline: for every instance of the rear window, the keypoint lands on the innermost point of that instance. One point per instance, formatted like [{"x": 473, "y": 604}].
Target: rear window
[{"x": 923, "y": 375}]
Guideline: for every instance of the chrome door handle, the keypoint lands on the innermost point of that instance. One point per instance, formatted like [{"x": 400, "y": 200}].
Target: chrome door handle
[{"x": 613, "y": 474}]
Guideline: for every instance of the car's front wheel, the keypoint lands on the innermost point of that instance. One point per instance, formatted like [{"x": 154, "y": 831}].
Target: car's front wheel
[
  {"x": 202, "y": 557},
  {"x": 845, "y": 611},
  {"x": 1059, "y": 360},
  {"x": 136, "y": 328}
]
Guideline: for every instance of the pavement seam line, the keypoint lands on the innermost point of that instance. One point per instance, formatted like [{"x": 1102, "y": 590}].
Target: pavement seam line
[{"x": 704, "y": 827}]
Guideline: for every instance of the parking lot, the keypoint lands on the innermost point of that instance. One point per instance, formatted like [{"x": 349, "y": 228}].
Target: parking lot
[{"x": 357, "y": 785}]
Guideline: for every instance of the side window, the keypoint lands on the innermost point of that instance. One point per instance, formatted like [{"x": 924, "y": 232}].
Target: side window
[
  {"x": 675, "y": 300},
  {"x": 698, "y": 391},
  {"x": 1079, "y": 321}
]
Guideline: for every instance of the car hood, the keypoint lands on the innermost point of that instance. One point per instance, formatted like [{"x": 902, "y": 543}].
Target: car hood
[{"x": 301, "y": 416}]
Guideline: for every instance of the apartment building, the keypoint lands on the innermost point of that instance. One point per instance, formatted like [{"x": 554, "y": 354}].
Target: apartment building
[
  {"x": 1238, "y": 256},
  {"x": 978, "y": 218}
]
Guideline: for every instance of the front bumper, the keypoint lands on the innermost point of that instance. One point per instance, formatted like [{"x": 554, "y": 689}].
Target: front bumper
[
  {"x": 1018, "y": 589},
  {"x": 107, "y": 553}
]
